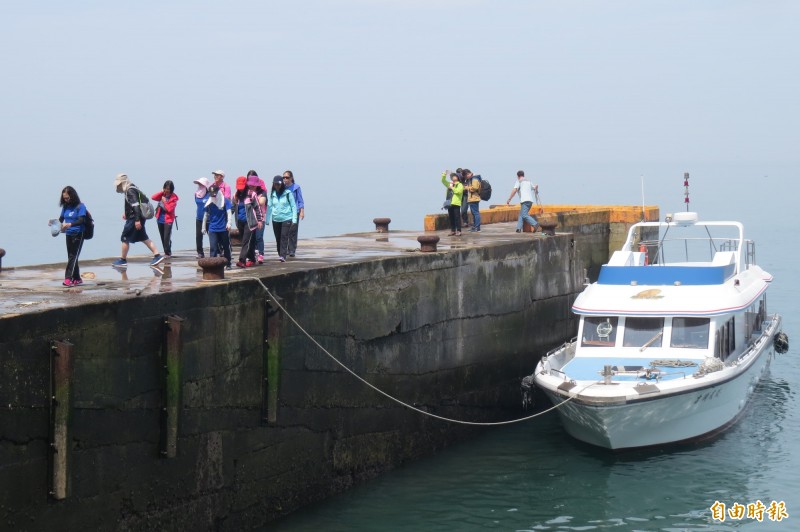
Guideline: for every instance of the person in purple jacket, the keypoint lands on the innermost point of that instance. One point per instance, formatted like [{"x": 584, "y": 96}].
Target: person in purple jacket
[{"x": 288, "y": 181}]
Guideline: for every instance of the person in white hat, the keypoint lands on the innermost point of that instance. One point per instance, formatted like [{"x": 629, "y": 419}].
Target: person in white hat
[
  {"x": 200, "y": 197},
  {"x": 219, "y": 177}
]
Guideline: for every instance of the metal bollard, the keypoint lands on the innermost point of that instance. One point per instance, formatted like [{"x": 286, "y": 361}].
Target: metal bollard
[
  {"x": 382, "y": 224},
  {"x": 427, "y": 243},
  {"x": 213, "y": 268}
]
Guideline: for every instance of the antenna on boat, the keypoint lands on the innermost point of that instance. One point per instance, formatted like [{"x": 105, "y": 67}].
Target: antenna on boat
[
  {"x": 641, "y": 177},
  {"x": 686, "y": 190}
]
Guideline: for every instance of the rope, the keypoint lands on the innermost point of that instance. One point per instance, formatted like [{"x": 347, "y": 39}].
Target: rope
[{"x": 396, "y": 400}]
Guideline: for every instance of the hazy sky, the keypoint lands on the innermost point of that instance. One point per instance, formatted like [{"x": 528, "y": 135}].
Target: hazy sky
[
  {"x": 346, "y": 90},
  {"x": 192, "y": 82}
]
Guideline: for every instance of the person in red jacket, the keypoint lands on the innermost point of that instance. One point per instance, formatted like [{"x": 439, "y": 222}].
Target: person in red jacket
[{"x": 165, "y": 214}]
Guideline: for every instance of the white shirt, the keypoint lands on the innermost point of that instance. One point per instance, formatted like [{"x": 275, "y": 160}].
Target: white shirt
[{"x": 525, "y": 190}]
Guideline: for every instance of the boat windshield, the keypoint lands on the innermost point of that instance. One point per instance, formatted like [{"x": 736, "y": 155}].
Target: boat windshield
[
  {"x": 690, "y": 333},
  {"x": 599, "y": 331},
  {"x": 643, "y": 332}
]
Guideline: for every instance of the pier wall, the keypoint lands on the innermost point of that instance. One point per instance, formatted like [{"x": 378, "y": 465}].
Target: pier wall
[{"x": 210, "y": 408}]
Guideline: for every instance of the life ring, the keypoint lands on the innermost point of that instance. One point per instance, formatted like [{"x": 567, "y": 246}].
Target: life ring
[{"x": 781, "y": 342}]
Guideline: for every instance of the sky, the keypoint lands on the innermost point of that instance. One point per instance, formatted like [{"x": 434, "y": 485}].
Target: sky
[{"x": 368, "y": 101}]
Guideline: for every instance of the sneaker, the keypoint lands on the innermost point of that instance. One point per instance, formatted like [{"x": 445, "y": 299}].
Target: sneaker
[
  {"x": 282, "y": 259},
  {"x": 260, "y": 258},
  {"x": 201, "y": 256},
  {"x": 518, "y": 230},
  {"x": 67, "y": 282},
  {"x": 241, "y": 264},
  {"x": 77, "y": 282},
  {"x": 120, "y": 263},
  {"x": 158, "y": 259},
  {"x": 249, "y": 264},
  {"x": 291, "y": 254},
  {"x": 458, "y": 233}
]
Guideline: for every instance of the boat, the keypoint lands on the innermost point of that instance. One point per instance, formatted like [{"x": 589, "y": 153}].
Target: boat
[{"x": 672, "y": 338}]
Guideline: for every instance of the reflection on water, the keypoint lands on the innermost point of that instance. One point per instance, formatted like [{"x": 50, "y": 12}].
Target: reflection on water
[{"x": 535, "y": 477}]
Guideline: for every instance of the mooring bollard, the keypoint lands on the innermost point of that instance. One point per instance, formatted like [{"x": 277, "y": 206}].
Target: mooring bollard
[
  {"x": 213, "y": 268},
  {"x": 427, "y": 243},
  {"x": 382, "y": 224},
  {"x": 548, "y": 228},
  {"x": 2, "y": 254}
]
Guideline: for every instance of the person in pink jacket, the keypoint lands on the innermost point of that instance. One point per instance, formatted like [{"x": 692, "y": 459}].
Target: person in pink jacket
[{"x": 165, "y": 214}]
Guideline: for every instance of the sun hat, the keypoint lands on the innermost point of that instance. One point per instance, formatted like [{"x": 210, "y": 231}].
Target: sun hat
[
  {"x": 252, "y": 181},
  {"x": 203, "y": 182},
  {"x": 241, "y": 182}
]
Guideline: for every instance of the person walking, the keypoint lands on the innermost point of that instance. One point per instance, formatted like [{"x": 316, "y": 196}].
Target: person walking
[
  {"x": 134, "y": 230},
  {"x": 73, "y": 217},
  {"x": 165, "y": 214},
  {"x": 200, "y": 198},
  {"x": 219, "y": 180},
  {"x": 254, "y": 220},
  {"x": 455, "y": 191},
  {"x": 262, "y": 203},
  {"x": 288, "y": 181},
  {"x": 217, "y": 221},
  {"x": 526, "y": 191},
  {"x": 473, "y": 184},
  {"x": 283, "y": 213}
]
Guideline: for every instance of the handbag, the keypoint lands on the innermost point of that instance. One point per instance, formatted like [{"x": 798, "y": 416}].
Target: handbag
[{"x": 449, "y": 200}]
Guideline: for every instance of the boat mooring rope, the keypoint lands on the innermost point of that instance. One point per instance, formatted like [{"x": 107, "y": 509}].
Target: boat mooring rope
[{"x": 396, "y": 400}]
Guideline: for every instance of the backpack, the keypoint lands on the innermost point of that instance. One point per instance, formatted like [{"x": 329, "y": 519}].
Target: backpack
[
  {"x": 88, "y": 226},
  {"x": 145, "y": 206},
  {"x": 485, "y": 191}
]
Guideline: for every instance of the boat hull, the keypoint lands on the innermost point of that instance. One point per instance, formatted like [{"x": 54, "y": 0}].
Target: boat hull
[{"x": 663, "y": 417}]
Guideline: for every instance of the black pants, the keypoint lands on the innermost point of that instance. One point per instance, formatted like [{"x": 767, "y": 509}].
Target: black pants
[
  {"x": 293, "y": 238},
  {"x": 248, "y": 237},
  {"x": 454, "y": 211},
  {"x": 199, "y": 237},
  {"x": 165, "y": 230},
  {"x": 281, "y": 231},
  {"x": 74, "y": 245}
]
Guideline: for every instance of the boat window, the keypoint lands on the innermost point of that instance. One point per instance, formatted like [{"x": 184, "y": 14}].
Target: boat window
[
  {"x": 641, "y": 332},
  {"x": 599, "y": 331},
  {"x": 690, "y": 332}
]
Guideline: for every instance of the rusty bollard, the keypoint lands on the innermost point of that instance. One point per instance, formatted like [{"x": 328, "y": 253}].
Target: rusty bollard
[
  {"x": 2, "y": 254},
  {"x": 382, "y": 224},
  {"x": 213, "y": 268},
  {"x": 548, "y": 228},
  {"x": 427, "y": 243}
]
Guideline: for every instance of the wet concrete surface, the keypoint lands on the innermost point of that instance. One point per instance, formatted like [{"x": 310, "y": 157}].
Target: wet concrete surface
[{"x": 34, "y": 288}]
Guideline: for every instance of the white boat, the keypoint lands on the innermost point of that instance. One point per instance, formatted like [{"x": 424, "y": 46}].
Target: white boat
[{"x": 667, "y": 350}]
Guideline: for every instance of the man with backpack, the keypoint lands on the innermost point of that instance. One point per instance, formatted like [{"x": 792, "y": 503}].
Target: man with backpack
[
  {"x": 134, "y": 221},
  {"x": 526, "y": 191},
  {"x": 473, "y": 184}
]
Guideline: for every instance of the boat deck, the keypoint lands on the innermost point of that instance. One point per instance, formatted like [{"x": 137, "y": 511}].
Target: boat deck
[{"x": 626, "y": 368}]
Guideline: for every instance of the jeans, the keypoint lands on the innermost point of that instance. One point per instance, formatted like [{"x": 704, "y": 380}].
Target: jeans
[
  {"x": 220, "y": 241},
  {"x": 474, "y": 208},
  {"x": 524, "y": 209},
  {"x": 260, "y": 238}
]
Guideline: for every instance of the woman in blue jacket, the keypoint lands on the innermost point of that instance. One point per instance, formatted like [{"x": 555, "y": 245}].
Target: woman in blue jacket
[
  {"x": 283, "y": 213},
  {"x": 73, "y": 216}
]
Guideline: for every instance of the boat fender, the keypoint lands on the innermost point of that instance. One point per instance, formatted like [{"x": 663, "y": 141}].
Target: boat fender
[{"x": 781, "y": 342}]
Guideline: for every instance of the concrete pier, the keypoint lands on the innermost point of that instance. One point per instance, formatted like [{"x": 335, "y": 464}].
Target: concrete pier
[{"x": 192, "y": 404}]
